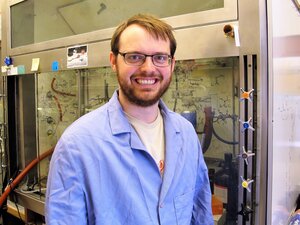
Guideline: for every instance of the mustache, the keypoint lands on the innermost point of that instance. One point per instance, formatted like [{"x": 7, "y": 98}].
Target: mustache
[{"x": 147, "y": 75}]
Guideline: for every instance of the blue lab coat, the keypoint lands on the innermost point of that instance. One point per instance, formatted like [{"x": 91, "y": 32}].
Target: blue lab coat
[{"x": 101, "y": 173}]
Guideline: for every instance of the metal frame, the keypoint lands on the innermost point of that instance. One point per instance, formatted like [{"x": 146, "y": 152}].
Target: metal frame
[{"x": 253, "y": 34}]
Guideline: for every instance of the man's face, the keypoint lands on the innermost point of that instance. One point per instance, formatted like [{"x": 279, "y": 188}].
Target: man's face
[{"x": 141, "y": 85}]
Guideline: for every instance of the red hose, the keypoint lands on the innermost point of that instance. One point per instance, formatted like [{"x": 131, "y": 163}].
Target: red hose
[{"x": 18, "y": 179}]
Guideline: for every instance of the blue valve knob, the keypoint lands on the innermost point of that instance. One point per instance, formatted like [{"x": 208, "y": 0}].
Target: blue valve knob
[
  {"x": 246, "y": 125},
  {"x": 8, "y": 61}
]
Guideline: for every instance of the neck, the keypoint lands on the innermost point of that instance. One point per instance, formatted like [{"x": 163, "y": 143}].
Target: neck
[{"x": 146, "y": 114}]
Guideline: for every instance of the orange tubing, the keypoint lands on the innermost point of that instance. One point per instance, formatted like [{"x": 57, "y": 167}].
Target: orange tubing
[{"x": 18, "y": 179}]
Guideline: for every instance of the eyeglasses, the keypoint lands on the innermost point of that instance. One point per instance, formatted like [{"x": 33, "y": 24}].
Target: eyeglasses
[{"x": 137, "y": 59}]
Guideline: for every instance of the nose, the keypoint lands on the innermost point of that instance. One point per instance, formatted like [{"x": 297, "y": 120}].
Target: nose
[{"x": 148, "y": 65}]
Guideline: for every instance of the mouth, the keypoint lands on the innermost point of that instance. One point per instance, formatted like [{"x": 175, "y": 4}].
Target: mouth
[{"x": 146, "y": 81}]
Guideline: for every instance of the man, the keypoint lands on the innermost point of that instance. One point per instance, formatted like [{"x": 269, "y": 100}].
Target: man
[
  {"x": 295, "y": 216},
  {"x": 132, "y": 161}
]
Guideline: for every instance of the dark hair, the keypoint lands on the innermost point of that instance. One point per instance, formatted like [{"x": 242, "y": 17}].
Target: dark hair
[
  {"x": 298, "y": 202},
  {"x": 156, "y": 27}
]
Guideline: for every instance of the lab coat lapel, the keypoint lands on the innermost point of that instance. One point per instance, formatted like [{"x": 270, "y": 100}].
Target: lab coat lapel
[
  {"x": 120, "y": 124},
  {"x": 173, "y": 151}
]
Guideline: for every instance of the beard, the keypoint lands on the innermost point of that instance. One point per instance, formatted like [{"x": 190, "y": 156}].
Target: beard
[{"x": 143, "y": 99}]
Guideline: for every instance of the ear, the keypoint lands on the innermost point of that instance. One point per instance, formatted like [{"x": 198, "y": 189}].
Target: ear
[
  {"x": 173, "y": 64},
  {"x": 113, "y": 61}
]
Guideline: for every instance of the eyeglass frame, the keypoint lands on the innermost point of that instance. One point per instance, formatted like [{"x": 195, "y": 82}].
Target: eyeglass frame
[{"x": 123, "y": 54}]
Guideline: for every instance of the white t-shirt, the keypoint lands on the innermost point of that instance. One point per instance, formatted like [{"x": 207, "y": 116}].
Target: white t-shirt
[{"x": 153, "y": 137}]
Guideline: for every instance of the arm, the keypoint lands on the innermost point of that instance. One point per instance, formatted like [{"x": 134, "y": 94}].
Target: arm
[
  {"x": 202, "y": 210},
  {"x": 65, "y": 199}
]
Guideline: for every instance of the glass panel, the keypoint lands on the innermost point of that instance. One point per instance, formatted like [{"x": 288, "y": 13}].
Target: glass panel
[
  {"x": 57, "y": 105},
  {"x": 22, "y": 24},
  {"x": 63, "y": 18},
  {"x": 99, "y": 86}
]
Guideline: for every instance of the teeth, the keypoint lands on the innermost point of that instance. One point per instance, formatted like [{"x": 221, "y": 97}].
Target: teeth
[{"x": 145, "y": 81}]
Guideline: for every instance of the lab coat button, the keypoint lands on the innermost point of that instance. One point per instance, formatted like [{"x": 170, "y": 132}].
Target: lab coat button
[{"x": 161, "y": 205}]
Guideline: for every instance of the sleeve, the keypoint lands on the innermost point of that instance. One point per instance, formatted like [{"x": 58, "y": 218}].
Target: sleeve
[
  {"x": 202, "y": 209},
  {"x": 65, "y": 199},
  {"x": 295, "y": 219}
]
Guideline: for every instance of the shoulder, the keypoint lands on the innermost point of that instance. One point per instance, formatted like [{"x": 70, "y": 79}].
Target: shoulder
[
  {"x": 179, "y": 121},
  {"x": 295, "y": 219},
  {"x": 96, "y": 122},
  {"x": 88, "y": 123}
]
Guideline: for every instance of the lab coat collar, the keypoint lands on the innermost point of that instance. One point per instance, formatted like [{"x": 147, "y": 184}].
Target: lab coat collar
[
  {"x": 118, "y": 121},
  {"x": 120, "y": 125}
]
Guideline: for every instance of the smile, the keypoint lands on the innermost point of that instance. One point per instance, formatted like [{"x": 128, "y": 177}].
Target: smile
[{"x": 146, "y": 81}]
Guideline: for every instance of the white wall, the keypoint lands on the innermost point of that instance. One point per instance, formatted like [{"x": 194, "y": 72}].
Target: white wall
[
  {"x": 0, "y": 22},
  {"x": 284, "y": 62}
]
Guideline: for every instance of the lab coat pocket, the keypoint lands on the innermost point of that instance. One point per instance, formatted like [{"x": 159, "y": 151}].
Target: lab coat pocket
[{"x": 184, "y": 208}]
